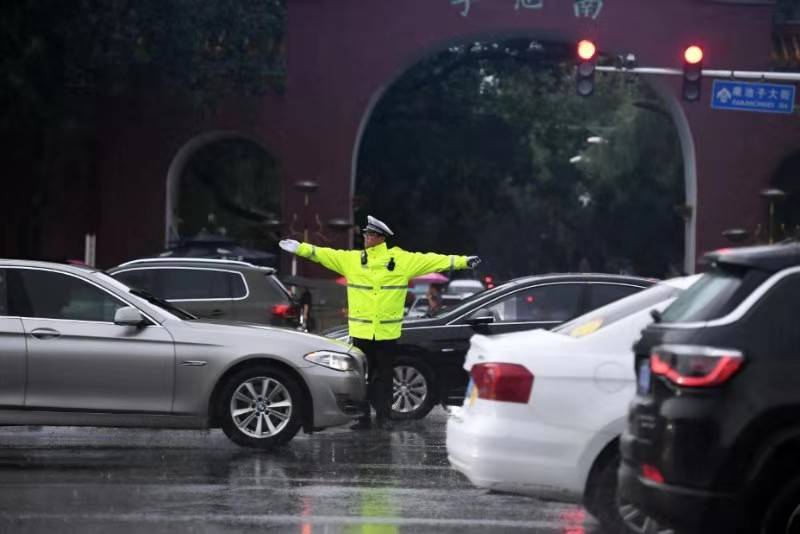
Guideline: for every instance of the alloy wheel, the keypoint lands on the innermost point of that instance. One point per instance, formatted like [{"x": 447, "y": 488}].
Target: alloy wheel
[
  {"x": 410, "y": 389},
  {"x": 261, "y": 407}
]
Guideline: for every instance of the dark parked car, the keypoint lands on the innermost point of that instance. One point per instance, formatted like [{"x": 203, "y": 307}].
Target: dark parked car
[
  {"x": 713, "y": 436},
  {"x": 428, "y": 366},
  {"x": 214, "y": 289}
]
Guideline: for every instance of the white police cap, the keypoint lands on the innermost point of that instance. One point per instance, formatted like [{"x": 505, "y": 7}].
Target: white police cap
[{"x": 377, "y": 226}]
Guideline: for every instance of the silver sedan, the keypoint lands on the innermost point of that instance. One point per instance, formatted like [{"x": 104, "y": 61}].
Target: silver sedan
[{"x": 79, "y": 348}]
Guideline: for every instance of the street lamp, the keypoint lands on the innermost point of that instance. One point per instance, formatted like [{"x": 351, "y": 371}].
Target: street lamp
[{"x": 772, "y": 195}]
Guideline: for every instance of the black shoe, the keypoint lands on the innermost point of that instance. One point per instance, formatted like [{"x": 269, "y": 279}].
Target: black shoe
[{"x": 361, "y": 424}]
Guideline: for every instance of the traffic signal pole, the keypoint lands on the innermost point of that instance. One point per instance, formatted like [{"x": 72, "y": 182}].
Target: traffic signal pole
[{"x": 712, "y": 73}]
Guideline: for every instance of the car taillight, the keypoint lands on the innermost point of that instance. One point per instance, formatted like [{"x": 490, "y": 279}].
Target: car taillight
[
  {"x": 695, "y": 366},
  {"x": 283, "y": 310},
  {"x": 651, "y": 472},
  {"x": 506, "y": 382}
]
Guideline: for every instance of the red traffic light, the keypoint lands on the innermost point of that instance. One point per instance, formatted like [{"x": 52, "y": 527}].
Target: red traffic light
[
  {"x": 586, "y": 50},
  {"x": 693, "y": 55}
]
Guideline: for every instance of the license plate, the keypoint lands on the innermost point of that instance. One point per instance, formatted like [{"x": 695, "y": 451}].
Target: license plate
[{"x": 644, "y": 378}]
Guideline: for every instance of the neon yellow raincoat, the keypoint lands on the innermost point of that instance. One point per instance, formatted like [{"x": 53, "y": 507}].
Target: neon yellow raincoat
[{"x": 376, "y": 294}]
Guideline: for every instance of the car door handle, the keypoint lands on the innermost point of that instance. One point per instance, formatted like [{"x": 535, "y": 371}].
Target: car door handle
[
  {"x": 45, "y": 333},
  {"x": 216, "y": 313}
]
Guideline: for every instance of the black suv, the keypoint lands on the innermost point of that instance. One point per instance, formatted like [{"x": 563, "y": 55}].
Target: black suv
[
  {"x": 431, "y": 351},
  {"x": 214, "y": 289},
  {"x": 713, "y": 436}
]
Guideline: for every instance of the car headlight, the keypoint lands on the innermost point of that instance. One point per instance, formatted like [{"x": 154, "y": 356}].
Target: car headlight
[{"x": 332, "y": 360}]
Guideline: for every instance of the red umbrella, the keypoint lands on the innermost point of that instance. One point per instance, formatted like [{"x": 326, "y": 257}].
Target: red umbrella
[{"x": 434, "y": 278}]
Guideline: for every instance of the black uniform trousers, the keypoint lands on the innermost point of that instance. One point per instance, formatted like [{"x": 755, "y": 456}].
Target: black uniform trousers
[{"x": 380, "y": 375}]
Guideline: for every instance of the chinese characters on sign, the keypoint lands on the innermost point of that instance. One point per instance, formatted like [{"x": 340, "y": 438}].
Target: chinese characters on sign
[
  {"x": 465, "y": 3},
  {"x": 529, "y": 4},
  {"x": 588, "y": 8},
  {"x": 583, "y": 8},
  {"x": 761, "y": 97}
]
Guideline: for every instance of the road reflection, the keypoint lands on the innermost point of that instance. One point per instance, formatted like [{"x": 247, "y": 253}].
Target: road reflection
[{"x": 111, "y": 480}]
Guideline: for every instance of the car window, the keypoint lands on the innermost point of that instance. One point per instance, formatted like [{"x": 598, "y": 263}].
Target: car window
[
  {"x": 602, "y": 294},
  {"x": 51, "y": 295},
  {"x": 193, "y": 284},
  {"x": 3, "y": 302},
  {"x": 281, "y": 292},
  {"x": 714, "y": 295},
  {"x": 143, "y": 279},
  {"x": 595, "y": 320},
  {"x": 467, "y": 303},
  {"x": 554, "y": 302}
]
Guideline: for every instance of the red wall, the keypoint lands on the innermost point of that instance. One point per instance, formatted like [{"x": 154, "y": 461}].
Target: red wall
[{"x": 343, "y": 53}]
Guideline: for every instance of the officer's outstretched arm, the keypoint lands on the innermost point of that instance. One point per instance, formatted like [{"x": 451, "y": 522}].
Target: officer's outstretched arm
[
  {"x": 334, "y": 259},
  {"x": 423, "y": 263}
]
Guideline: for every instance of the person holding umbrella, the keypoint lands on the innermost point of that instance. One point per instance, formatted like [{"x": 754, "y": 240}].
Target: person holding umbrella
[{"x": 377, "y": 282}]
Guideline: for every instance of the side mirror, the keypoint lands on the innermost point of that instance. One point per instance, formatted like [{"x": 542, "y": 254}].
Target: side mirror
[
  {"x": 482, "y": 316},
  {"x": 128, "y": 316}
]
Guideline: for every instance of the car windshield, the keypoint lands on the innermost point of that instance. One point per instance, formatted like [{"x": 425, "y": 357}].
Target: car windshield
[
  {"x": 149, "y": 298},
  {"x": 717, "y": 293},
  {"x": 598, "y": 319}
]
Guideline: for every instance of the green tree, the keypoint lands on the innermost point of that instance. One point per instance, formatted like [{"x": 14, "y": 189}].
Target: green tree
[
  {"x": 477, "y": 142},
  {"x": 59, "y": 59}
]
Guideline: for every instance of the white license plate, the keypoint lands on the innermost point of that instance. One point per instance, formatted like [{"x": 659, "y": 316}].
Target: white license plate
[{"x": 644, "y": 378}]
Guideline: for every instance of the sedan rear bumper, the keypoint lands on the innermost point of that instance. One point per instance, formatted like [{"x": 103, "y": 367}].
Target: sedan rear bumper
[{"x": 514, "y": 455}]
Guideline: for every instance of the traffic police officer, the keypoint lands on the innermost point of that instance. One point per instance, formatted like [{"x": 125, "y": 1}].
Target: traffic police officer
[{"x": 377, "y": 282}]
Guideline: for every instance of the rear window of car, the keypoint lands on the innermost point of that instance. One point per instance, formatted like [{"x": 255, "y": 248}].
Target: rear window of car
[
  {"x": 715, "y": 295},
  {"x": 598, "y": 319},
  {"x": 186, "y": 283},
  {"x": 279, "y": 287}
]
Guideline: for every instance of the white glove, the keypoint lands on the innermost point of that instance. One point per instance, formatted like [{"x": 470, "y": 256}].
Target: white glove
[
  {"x": 289, "y": 245},
  {"x": 473, "y": 261}
]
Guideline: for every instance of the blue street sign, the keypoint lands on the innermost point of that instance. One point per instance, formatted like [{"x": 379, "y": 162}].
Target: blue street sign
[{"x": 760, "y": 97}]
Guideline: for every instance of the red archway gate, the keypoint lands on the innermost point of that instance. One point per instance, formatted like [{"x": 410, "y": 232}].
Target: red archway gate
[{"x": 343, "y": 54}]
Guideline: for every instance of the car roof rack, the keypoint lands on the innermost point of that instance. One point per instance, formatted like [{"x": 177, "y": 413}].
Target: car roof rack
[{"x": 196, "y": 260}]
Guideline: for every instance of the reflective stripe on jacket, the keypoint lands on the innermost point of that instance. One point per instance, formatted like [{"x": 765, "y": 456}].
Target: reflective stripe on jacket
[{"x": 376, "y": 295}]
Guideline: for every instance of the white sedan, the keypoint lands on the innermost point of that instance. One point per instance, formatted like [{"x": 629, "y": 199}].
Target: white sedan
[{"x": 544, "y": 409}]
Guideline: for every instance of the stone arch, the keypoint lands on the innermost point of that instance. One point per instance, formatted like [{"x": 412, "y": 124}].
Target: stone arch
[
  {"x": 661, "y": 87},
  {"x": 178, "y": 166}
]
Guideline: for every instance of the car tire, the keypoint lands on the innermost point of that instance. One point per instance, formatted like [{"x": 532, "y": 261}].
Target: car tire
[
  {"x": 604, "y": 503},
  {"x": 782, "y": 515},
  {"x": 413, "y": 389},
  {"x": 261, "y": 407}
]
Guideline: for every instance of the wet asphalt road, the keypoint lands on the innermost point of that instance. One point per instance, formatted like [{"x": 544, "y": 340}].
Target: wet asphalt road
[{"x": 80, "y": 480}]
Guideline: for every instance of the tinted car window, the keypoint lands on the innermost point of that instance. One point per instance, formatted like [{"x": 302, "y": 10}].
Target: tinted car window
[
  {"x": 597, "y": 319},
  {"x": 190, "y": 284},
  {"x": 602, "y": 294},
  {"x": 555, "y": 302},
  {"x": 281, "y": 293},
  {"x": 3, "y": 302},
  {"x": 715, "y": 295},
  {"x": 139, "y": 279},
  {"x": 50, "y": 295}
]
